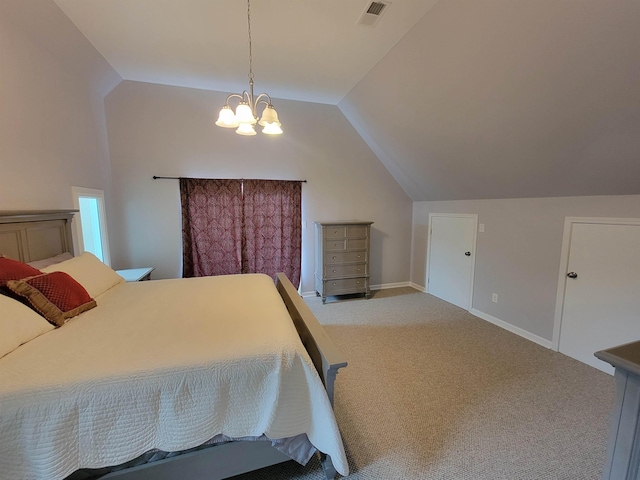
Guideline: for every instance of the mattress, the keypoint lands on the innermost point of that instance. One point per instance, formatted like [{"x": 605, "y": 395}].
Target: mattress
[{"x": 166, "y": 365}]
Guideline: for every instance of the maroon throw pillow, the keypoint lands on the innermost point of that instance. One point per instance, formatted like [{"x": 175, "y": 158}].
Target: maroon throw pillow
[
  {"x": 15, "y": 270},
  {"x": 56, "y": 296}
]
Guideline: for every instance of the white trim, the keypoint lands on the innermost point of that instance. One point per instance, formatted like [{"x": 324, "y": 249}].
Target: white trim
[
  {"x": 383, "y": 286},
  {"x": 511, "y": 328},
  {"x": 420, "y": 288},
  {"x": 473, "y": 216},
  {"x": 564, "y": 264},
  {"x": 76, "y": 193}
]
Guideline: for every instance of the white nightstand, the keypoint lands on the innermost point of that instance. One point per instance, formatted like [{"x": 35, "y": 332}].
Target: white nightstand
[{"x": 136, "y": 274}]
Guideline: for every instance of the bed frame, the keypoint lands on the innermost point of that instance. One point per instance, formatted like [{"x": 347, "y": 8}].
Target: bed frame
[{"x": 35, "y": 235}]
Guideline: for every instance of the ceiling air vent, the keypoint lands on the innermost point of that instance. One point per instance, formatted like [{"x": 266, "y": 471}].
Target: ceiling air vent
[{"x": 371, "y": 15}]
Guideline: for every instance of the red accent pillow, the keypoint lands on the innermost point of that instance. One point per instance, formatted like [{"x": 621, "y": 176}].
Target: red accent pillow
[
  {"x": 56, "y": 296},
  {"x": 15, "y": 270}
]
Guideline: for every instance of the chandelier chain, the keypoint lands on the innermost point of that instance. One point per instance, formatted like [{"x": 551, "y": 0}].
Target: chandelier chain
[
  {"x": 246, "y": 115},
  {"x": 249, "y": 29}
]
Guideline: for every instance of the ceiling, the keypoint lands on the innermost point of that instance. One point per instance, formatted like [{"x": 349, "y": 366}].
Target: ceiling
[
  {"x": 308, "y": 50},
  {"x": 459, "y": 99}
]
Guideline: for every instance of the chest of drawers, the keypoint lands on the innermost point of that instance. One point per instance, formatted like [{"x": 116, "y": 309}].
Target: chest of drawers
[{"x": 342, "y": 258}]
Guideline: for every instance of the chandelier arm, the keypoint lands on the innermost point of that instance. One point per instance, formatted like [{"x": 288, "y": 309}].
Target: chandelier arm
[
  {"x": 234, "y": 95},
  {"x": 259, "y": 99}
]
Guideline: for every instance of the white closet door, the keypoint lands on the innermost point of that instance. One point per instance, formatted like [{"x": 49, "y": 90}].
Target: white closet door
[
  {"x": 601, "y": 307},
  {"x": 451, "y": 258}
]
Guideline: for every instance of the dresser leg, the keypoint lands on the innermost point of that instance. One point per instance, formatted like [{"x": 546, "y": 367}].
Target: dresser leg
[{"x": 324, "y": 299}]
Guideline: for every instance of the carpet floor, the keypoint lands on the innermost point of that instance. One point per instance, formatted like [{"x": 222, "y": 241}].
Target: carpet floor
[{"x": 433, "y": 392}]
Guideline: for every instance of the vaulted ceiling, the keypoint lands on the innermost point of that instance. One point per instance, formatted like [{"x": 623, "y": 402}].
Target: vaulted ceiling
[{"x": 459, "y": 99}]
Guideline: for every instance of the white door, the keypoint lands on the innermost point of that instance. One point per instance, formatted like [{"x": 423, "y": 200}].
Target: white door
[
  {"x": 451, "y": 258},
  {"x": 601, "y": 307}
]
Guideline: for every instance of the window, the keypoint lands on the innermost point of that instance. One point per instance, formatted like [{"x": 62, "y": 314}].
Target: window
[{"x": 91, "y": 222}]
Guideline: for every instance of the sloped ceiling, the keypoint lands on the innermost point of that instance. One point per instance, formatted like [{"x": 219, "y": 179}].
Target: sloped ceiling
[
  {"x": 307, "y": 50},
  {"x": 504, "y": 99},
  {"x": 459, "y": 99}
]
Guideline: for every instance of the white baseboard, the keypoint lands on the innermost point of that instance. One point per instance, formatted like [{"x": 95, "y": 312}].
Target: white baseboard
[
  {"x": 511, "y": 328},
  {"x": 382, "y": 286},
  {"x": 385, "y": 286},
  {"x": 420, "y": 288}
]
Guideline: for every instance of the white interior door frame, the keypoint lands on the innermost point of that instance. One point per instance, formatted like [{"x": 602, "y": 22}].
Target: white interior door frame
[
  {"x": 474, "y": 217},
  {"x": 564, "y": 264}
]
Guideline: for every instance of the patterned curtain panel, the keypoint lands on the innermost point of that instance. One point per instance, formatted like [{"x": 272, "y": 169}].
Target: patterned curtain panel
[
  {"x": 211, "y": 226},
  {"x": 273, "y": 228}
]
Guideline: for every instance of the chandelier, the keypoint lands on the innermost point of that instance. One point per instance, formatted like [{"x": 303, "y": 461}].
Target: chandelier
[{"x": 245, "y": 116}]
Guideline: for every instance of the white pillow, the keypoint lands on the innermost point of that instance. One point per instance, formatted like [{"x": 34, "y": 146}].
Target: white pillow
[
  {"x": 18, "y": 324},
  {"x": 47, "y": 262},
  {"x": 90, "y": 272}
]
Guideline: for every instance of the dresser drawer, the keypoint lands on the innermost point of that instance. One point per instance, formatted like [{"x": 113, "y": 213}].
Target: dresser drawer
[
  {"x": 357, "y": 231},
  {"x": 336, "y": 231},
  {"x": 356, "y": 243},
  {"x": 346, "y": 270},
  {"x": 344, "y": 257},
  {"x": 336, "y": 244},
  {"x": 351, "y": 285}
]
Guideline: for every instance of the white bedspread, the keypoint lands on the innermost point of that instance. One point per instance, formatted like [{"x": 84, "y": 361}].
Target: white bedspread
[{"x": 164, "y": 364}]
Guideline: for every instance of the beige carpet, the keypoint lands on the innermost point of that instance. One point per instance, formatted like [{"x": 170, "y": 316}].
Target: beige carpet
[{"x": 432, "y": 392}]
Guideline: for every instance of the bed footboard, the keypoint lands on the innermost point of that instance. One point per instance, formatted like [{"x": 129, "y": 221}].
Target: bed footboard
[{"x": 323, "y": 352}]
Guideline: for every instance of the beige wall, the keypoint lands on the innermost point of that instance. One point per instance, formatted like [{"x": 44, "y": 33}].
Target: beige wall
[
  {"x": 170, "y": 131},
  {"x": 52, "y": 122},
  {"x": 518, "y": 255}
]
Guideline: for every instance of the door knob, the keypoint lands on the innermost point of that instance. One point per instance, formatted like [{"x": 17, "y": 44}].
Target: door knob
[
  {"x": 468, "y": 254},
  {"x": 572, "y": 275}
]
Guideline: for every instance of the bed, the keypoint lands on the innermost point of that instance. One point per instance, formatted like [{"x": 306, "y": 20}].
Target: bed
[{"x": 165, "y": 365}]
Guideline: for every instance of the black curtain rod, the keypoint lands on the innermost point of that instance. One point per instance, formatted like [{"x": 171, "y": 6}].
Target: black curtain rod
[{"x": 155, "y": 177}]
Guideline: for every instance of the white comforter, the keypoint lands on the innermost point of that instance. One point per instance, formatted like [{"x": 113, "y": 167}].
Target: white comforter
[{"x": 165, "y": 364}]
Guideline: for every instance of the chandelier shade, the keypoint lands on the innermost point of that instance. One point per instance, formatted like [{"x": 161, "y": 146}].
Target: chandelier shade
[
  {"x": 269, "y": 115},
  {"x": 245, "y": 129},
  {"x": 272, "y": 129},
  {"x": 227, "y": 118},
  {"x": 246, "y": 114}
]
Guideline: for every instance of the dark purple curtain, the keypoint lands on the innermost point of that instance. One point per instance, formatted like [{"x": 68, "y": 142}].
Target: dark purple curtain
[
  {"x": 273, "y": 228},
  {"x": 241, "y": 226},
  {"x": 211, "y": 227}
]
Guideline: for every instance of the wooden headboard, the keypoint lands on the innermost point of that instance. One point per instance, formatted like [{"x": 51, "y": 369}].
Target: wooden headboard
[{"x": 30, "y": 235}]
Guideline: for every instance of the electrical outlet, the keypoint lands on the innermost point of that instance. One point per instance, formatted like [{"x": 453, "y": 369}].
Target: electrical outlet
[{"x": 494, "y": 298}]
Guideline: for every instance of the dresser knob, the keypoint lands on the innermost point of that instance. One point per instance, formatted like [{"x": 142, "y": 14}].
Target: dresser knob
[
  {"x": 335, "y": 244},
  {"x": 358, "y": 282},
  {"x": 334, "y": 271},
  {"x": 334, "y": 257},
  {"x": 358, "y": 256},
  {"x": 358, "y": 270},
  {"x": 334, "y": 284}
]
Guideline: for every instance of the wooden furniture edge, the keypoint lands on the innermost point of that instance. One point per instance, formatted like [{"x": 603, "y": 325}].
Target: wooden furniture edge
[
  {"x": 323, "y": 352},
  {"x": 23, "y": 220},
  {"x": 17, "y": 216}
]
